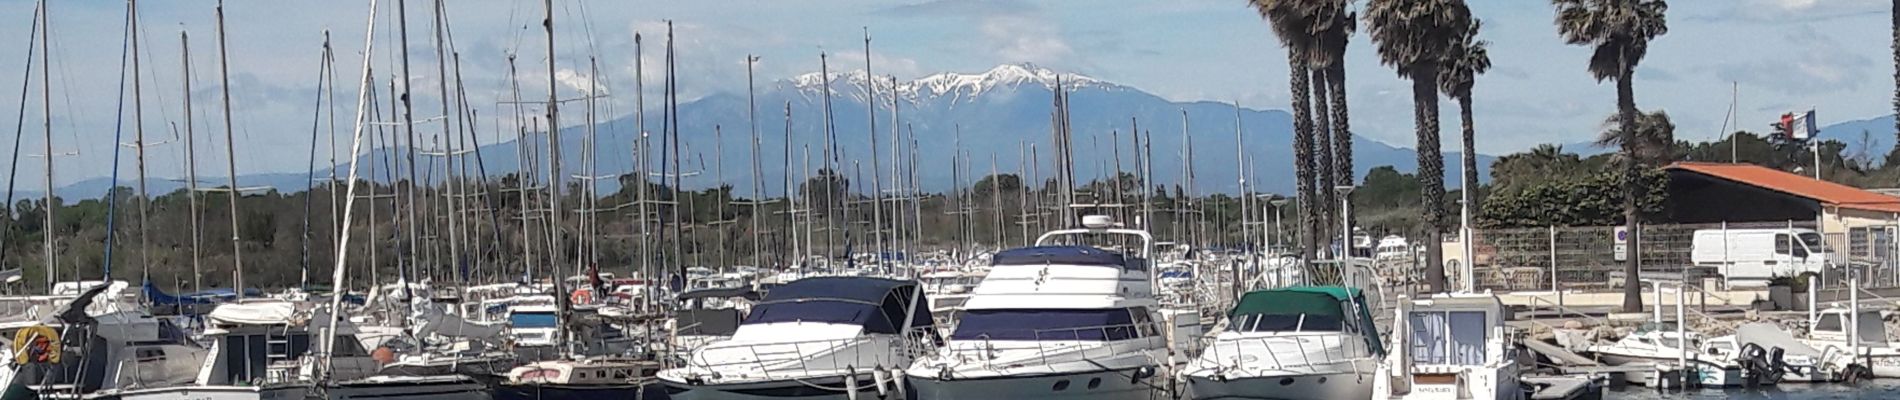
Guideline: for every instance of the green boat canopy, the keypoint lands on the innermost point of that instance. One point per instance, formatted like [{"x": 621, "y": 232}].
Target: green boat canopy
[{"x": 1312, "y": 300}]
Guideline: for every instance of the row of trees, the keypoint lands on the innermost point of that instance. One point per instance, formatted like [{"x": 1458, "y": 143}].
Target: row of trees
[
  {"x": 1435, "y": 45},
  {"x": 289, "y": 238}
]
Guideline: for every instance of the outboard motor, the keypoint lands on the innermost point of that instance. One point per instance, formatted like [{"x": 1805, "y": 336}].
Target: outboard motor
[{"x": 1756, "y": 363}]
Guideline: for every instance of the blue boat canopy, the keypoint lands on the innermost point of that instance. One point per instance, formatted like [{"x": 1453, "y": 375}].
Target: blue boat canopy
[
  {"x": 1069, "y": 255},
  {"x": 214, "y": 296},
  {"x": 879, "y": 305}
]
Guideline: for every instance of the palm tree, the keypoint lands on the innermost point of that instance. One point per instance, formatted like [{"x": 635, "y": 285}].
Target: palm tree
[
  {"x": 1334, "y": 28},
  {"x": 1412, "y": 36},
  {"x": 1654, "y": 140},
  {"x": 1464, "y": 61},
  {"x": 1620, "y": 31},
  {"x": 1292, "y": 23}
]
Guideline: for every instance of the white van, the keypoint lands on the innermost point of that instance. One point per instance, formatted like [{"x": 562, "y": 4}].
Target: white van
[{"x": 1760, "y": 254}]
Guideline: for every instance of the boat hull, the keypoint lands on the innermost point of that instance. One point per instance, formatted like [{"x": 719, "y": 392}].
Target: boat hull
[
  {"x": 816, "y": 388},
  {"x": 388, "y": 390},
  {"x": 1105, "y": 384},
  {"x": 1339, "y": 385},
  {"x": 650, "y": 391}
]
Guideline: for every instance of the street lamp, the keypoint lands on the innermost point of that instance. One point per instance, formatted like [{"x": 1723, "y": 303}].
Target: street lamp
[
  {"x": 1279, "y": 236},
  {"x": 1345, "y": 221}
]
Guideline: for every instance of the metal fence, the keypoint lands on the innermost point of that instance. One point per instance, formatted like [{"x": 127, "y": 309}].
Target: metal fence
[{"x": 1587, "y": 258}]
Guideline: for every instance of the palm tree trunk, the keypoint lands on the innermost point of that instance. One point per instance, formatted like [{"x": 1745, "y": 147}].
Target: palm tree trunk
[
  {"x": 1303, "y": 158},
  {"x": 1431, "y": 173},
  {"x": 1896, "y": 81},
  {"x": 1322, "y": 140},
  {"x": 1470, "y": 155},
  {"x": 1342, "y": 132},
  {"x": 1626, "y": 111}
]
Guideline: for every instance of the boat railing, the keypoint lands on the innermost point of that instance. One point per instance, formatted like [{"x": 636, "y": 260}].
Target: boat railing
[
  {"x": 1232, "y": 353},
  {"x": 801, "y": 358},
  {"x": 1078, "y": 341}
]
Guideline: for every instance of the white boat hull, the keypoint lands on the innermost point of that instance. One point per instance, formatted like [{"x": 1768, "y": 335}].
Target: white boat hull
[
  {"x": 1106, "y": 385},
  {"x": 1339, "y": 385},
  {"x": 459, "y": 389},
  {"x": 814, "y": 388}
]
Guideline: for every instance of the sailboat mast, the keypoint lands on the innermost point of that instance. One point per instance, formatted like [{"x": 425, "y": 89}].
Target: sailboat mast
[
  {"x": 19, "y": 127},
  {"x": 310, "y": 181},
  {"x": 409, "y": 148},
  {"x": 46, "y": 125},
  {"x": 758, "y": 188},
  {"x": 1240, "y": 165},
  {"x": 554, "y": 169},
  {"x": 230, "y": 149},
  {"x": 641, "y": 168},
  {"x": 831, "y": 196},
  {"x": 453, "y": 198},
  {"x": 791, "y": 200},
  {"x": 339, "y": 272},
  {"x": 138, "y": 146},
  {"x": 673, "y": 134},
  {"x": 877, "y": 184},
  {"x": 898, "y": 233},
  {"x": 523, "y": 165}
]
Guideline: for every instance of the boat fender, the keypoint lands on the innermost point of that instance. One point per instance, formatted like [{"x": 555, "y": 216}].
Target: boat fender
[
  {"x": 851, "y": 382},
  {"x": 1140, "y": 374},
  {"x": 897, "y": 382},
  {"x": 877, "y": 378}
]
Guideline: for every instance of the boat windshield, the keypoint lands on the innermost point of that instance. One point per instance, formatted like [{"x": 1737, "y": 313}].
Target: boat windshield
[
  {"x": 1051, "y": 324},
  {"x": 531, "y": 320},
  {"x": 1287, "y": 323}
]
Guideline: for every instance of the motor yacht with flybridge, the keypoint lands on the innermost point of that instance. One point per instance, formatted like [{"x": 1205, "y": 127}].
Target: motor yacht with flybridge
[
  {"x": 1071, "y": 317},
  {"x": 1306, "y": 342},
  {"x": 814, "y": 338}
]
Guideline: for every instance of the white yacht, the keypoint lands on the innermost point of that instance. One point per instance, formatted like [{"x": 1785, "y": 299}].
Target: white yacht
[
  {"x": 272, "y": 350},
  {"x": 1711, "y": 362},
  {"x": 1057, "y": 320},
  {"x": 1310, "y": 342},
  {"x": 1451, "y": 346},
  {"x": 814, "y": 338}
]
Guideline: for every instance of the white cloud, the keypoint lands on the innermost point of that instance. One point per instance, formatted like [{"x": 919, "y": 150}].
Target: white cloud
[{"x": 1023, "y": 38}]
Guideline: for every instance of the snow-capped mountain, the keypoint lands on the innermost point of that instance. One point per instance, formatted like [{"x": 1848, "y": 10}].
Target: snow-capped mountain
[
  {"x": 947, "y": 86},
  {"x": 996, "y": 116}
]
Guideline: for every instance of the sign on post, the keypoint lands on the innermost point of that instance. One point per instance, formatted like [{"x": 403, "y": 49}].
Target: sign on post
[{"x": 1621, "y": 249}]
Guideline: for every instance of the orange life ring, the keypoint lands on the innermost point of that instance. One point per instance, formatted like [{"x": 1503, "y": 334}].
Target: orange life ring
[{"x": 581, "y": 296}]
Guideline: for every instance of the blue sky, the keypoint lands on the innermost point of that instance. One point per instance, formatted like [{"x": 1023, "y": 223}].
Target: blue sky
[{"x": 1780, "y": 54}]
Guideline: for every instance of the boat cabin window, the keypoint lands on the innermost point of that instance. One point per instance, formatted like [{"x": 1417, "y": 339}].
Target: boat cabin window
[
  {"x": 1051, "y": 324},
  {"x": 247, "y": 356},
  {"x": 532, "y": 320},
  {"x": 1449, "y": 337},
  {"x": 1829, "y": 323}
]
